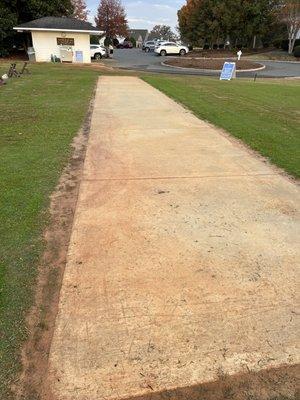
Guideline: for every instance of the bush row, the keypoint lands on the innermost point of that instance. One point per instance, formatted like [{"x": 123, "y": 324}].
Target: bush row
[
  {"x": 297, "y": 51},
  {"x": 284, "y": 44}
]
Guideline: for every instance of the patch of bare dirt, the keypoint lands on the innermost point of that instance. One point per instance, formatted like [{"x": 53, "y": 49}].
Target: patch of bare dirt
[
  {"x": 210, "y": 63},
  {"x": 41, "y": 319}
]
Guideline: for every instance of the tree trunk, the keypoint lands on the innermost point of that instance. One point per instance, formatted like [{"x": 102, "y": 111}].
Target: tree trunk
[
  {"x": 254, "y": 41},
  {"x": 291, "y": 45}
]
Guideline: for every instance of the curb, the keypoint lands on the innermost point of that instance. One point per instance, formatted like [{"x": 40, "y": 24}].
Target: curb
[
  {"x": 276, "y": 61},
  {"x": 212, "y": 70}
]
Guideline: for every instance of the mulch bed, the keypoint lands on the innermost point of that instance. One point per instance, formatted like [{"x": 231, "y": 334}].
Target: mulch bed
[
  {"x": 222, "y": 53},
  {"x": 210, "y": 63}
]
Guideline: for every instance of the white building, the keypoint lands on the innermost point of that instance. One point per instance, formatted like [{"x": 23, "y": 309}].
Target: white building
[{"x": 59, "y": 37}]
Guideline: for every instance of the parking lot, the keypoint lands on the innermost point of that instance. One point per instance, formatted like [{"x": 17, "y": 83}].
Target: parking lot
[{"x": 137, "y": 59}]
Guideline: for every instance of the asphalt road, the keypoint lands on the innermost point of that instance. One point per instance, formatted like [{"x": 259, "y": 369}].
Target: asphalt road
[{"x": 138, "y": 60}]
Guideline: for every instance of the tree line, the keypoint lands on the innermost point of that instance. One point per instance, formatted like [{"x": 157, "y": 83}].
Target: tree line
[
  {"x": 212, "y": 23},
  {"x": 16, "y": 12},
  {"x": 238, "y": 23},
  {"x": 110, "y": 18}
]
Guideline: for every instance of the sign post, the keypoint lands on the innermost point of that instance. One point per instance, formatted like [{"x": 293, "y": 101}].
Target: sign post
[{"x": 228, "y": 71}]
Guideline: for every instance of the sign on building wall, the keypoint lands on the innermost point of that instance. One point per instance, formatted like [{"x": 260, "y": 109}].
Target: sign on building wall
[
  {"x": 65, "y": 41},
  {"x": 79, "y": 56},
  {"x": 228, "y": 71}
]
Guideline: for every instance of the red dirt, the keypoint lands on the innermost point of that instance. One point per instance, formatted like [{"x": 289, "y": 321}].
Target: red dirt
[{"x": 41, "y": 319}]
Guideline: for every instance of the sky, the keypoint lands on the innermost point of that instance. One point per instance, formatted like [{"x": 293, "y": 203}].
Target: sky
[{"x": 144, "y": 14}]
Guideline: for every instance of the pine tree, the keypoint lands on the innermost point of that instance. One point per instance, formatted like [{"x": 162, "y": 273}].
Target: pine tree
[{"x": 80, "y": 10}]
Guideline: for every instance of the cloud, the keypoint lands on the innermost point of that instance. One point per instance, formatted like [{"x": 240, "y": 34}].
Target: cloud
[{"x": 146, "y": 13}]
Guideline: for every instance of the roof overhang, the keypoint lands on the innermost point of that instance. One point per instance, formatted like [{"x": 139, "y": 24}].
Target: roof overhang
[{"x": 22, "y": 29}]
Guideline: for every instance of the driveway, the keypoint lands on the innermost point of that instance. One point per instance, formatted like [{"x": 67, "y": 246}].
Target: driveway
[
  {"x": 182, "y": 265},
  {"x": 138, "y": 60}
]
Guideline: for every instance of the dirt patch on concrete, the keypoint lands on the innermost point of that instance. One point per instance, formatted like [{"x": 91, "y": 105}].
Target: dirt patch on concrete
[
  {"x": 211, "y": 63},
  {"x": 41, "y": 319}
]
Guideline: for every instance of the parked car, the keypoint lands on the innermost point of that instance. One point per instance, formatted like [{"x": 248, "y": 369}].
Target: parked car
[
  {"x": 97, "y": 51},
  {"x": 125, "y": 45},
  {"x": 149, "y": 46},
  {"x": 169, "y": 48}
]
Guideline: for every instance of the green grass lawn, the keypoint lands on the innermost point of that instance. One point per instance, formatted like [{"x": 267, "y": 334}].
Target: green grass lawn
[
  {"x": 40, "y": 114},
  {"x": 265, "y": 114}
]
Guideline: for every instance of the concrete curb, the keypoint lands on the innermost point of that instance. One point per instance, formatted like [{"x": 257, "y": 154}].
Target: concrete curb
[
  {"x": 212, "y": 70},
  {"x": 276, "y": 61}
]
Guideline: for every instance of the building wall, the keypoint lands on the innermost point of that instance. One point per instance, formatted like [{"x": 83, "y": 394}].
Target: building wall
[{"x": 45, "y": 44}]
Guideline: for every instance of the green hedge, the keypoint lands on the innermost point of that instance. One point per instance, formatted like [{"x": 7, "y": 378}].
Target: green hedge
[{"x": 297, "y": 51}]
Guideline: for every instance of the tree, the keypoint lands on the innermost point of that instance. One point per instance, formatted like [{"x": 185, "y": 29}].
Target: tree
[
  {"x": 14, "y": 12},
  {"x": 80, "y": 10},
  {"x": 133, "y": 41},
  {"x": 290, "y": 15},
  {"x": 111, "y": 18},
  {"x": 162, "y": 32},
  {"x": 213, "y": 21}
]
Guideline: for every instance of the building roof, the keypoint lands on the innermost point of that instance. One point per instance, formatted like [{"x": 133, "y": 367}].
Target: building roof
[
  {"x": 136, "y": 33},
  {"x": 58, "y": 24}
]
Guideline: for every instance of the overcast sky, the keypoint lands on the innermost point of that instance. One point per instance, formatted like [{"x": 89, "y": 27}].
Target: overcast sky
[{"x": 145, "y": 13}]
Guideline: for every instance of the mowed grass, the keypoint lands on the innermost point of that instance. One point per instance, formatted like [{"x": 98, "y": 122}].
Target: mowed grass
[
  {"x": 40, "y": 114},
  {"x": 264, "y": 114}
]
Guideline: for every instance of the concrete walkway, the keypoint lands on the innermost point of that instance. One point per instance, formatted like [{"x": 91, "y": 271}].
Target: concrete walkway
[{"x": 182, "y": 261}]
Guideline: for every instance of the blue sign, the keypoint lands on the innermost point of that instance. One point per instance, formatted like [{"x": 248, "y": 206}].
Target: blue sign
[
  {"x": 79, "y": 56},
  {"x": 228, "y": 71}
]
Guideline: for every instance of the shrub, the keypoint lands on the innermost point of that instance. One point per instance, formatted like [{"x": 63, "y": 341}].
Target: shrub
[
  {"x": 133, "y": 41},
  {"x": 94, "y": 39},
  {"x": 297, "y": 51},
  {"x": 285, "y": 44},
  {"x": 277, "y": 43},
  {"x": 107, "y": 42},
  {"x": 4, "y": 53}
]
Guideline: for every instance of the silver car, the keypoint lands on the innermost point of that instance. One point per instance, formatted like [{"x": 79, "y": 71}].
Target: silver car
[{"x": 149, "y": 46}]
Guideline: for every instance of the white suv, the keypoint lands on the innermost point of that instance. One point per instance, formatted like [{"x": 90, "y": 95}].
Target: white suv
[
  {"x": 163, "y": 49},
  {"x": 97, "y": 51}
]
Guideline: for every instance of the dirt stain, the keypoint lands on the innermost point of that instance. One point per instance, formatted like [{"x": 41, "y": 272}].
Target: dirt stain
[{"x": 41, "y": 319}]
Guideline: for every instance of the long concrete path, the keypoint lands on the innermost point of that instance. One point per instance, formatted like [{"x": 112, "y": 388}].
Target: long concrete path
[{"x": 182, "y": 265}]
